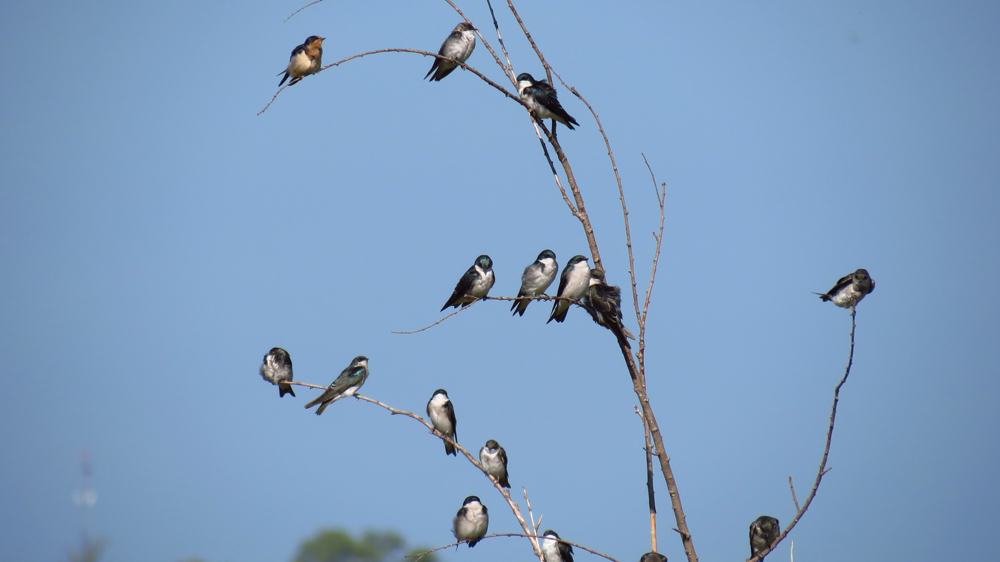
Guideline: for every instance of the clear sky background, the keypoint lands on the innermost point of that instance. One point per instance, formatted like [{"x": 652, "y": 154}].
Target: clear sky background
[{"x": 158, "y": 237}]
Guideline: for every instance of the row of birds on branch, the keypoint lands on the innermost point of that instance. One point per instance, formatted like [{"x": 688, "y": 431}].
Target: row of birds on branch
[
  {"x": 578, "y": 283},
  {"x": 538, "y": 95}
]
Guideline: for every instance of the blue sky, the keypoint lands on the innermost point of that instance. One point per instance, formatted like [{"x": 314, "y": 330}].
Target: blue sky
[{"x": 158, "y": 237}]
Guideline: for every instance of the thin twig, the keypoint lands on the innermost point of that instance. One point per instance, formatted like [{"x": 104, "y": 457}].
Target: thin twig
[
  {"x": 441, "y": 320},
  {"x": 661, "y": 200},
  {"x": 534, "y": 536},
  {"x": 826, "y": 450},
  {"x": 649, "y": 477},
  {"x": 527, "y": 34},
  {"x": 509, "y": 71},
  {"x": 794, "y": 499},
  {"x": 531, "y": 513},
  {"x": 488, "y": 298},
  {"x": 300, "y": 9}
]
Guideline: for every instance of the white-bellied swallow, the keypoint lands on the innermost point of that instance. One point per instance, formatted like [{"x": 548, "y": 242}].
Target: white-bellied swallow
[
  {"x": 277, "y": 368},
  {"x": 471, "y": 522},
  {"x": 850, "y": 289},
  {"x": 652, "y": 557},
  {"x": 349, "y": 381},
  {"x": 474, "y": 284},
  {"x": 306, "y": 59},
  {"x": 573, "y": 284},
  {"x": 536, "y": 278},
  {"x": 459, "y": 46},
  {"x": 763, "y": 532},
  {"x": 554, "y": 550},
  {"x": 604, "y": 303},
  {"x": 541, "y": 98},
  {"x": 494, "y": 461},
  {"x": 442, "y": 415}
]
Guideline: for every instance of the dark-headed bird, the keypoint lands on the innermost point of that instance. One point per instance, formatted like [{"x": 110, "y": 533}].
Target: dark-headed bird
[
  {"x": 653, "y": 557},
  {"x": 494, "y": 461},
  {"x": 306, "y": 59},
  {"x": 471, "y": 521},
  {"x": 442, "y": 415},
  {"x": 850, "y": 289},
  {"x": 277, "y": 368},
  {"x": 763, "y": 532},
  {"x": 541, "y": 98},
  {"x": 573, "y": 284},
  {"x": 459, "y": 46},
  {"x": 604, "y": 303},
  {"x": 349, "y": 381},
  {"x": 536, "y": 278},
  {"x": 554, "y": 550},
  {"x": 474, "y": 284}
]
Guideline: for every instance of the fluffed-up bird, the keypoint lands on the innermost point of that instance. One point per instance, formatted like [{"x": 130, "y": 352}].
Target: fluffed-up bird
[
  {"x": 850, "y": 289},
  {"x": 763, "y": 532},
  {"x": 277, "y": 368},
  {"x": 442, "y": 414},
  {"x": 494, "y": 461},
  {"x": 604, "y": 303},
  {"x": 348, "y": 383},
  {"x": 306, "y": 59},
  {"x": 652, "y": 557},
  {"x": 459, "y": 46},
  {"x": 474, "y": 284},
  {"x": 541, "y": 98},
  {"x": 536, "y": 278},
  {"x": 573, "y": 284},
  {"x": 471, "y": 521},
  {"x": 554, "y": 550}
]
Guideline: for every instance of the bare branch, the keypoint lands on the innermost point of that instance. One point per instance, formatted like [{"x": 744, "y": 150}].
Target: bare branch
[
  {"x": 794, "y": 499},
  {"x": 300, "y": 9},
  {"x": 441, "y": 320},
  {"x": 649, "y": 478},
  {"x": 509, "y": 70},
  {"x": 532, "y": 536}
]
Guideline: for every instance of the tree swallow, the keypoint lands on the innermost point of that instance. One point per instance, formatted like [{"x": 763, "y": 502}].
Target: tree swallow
[
  {"x": 541, "y": 98},
  {"x": 277, "y": 368},
  {"x": 494, "y": 461},
  {"x": 459, "y": 46},
  {"x": 554, "y": 550},
  {"x": 850, "y": 289},
  {"x": 349, "y": 381},
  {"x": 604, "y": 303},
  {"x": 763, "y": 532},
  {"x": 442, "y": 415},
  {"x": 471, "y": 521},
  {"x": 572, "y": 284},
  {"x": 306, "y": 59},
  {"x": 536, "y": 278},
  {"x": 474, "y": 285},
  {"x": 653, "y": 557}
]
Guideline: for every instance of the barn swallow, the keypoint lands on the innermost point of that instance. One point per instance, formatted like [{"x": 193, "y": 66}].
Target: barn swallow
[
  {"x": 277, "y": 368},
  {"x": 653, "y": 557},
  {"x": 763, "y": 532},
  {"x": 850, "y": 289},
  {"x": 554, "y": 550},
  {"x": 459, "y": 46},
  {"x": 536, "y": 278},
  {"x": 306, "y": 59},
  {"x": 474, "y": 285},
  {"x": 541, "y": 98},
  {"x": 442, "y": 415},
  {"x": 471, "y": 521},
  {"x": 494, "y": 461},
  {"x": 348, "y": 383},
  {"x": 572, "y": 284},
  {"x": 604, "y": 303}
]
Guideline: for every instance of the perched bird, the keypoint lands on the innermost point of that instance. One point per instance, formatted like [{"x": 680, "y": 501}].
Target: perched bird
[
  {"x": 474, "y": 285},
  {"x": 494, "y": 461},
  {"x": 554, "y": 550},
  {"x": 442, "y": 415},
  {"x": 536, "y": 278},
  {"x": 653, "y": 557},
  {"x": 277, "y": 368},
  {"x": 541, "y": 98},
  {"x": 850, "y": 289},
  {"x": 306, "y": 59},
  {"x": 604, "y": 303},
  {"x": 471, "y": 521},
  {"x": 572, "y": 284},
  {"x": 349, "y": 381},
  {"x": 763, "y": 532},
  {"x": 459, "y": 46}
]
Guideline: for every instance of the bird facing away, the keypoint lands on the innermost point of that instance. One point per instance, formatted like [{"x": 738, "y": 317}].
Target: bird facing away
[
  {"x": 763, "y": 532},
  {"x": 348, "y": 383},
  {"x": 471, "y": 521},
  {"x": 494, "y": 461},
  {"x": 554, "y": 550},
  {"x": 442, "y": 415},
  {"x": 459, "y": 46},
  {"x": 536, "y": 278},
  {"x": 572, "y": 284},
  {"x": 474, "y": 284},
  {"x": 541, "y": 98},
  {"x": 604, "y": 303},
  {"x": 653, "y": 557},
  {"x": 306, "y": 59},
  {"x": 277, "y": 368},
  {"x": 850, "y": 289}
]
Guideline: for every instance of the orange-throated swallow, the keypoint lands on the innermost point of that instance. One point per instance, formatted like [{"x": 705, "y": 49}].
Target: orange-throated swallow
[{"x": 306, "y": 59}]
